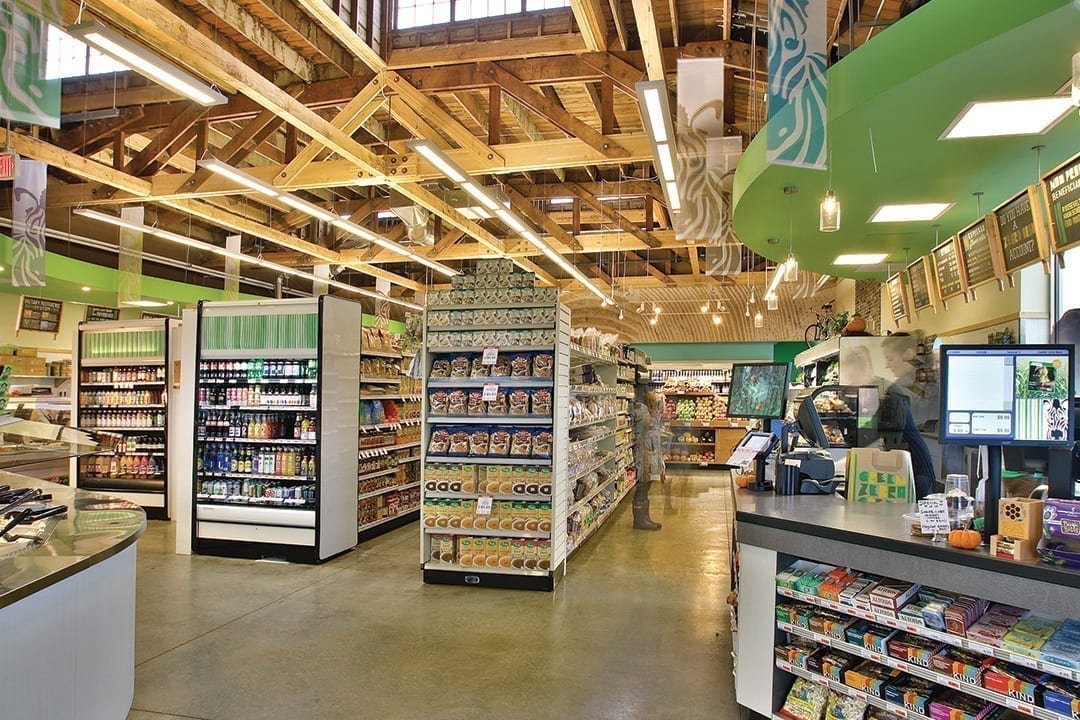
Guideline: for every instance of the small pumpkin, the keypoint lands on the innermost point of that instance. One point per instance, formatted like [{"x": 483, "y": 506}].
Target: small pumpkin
[
  {"x": 743, "y": 480},
  {"x": 856, "y": 324},
  {"x": 965, "y": 539}
]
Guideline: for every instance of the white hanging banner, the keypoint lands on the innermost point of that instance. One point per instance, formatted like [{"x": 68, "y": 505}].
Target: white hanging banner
[
  {"x": 382, "y": 308},
  {"x": 320, "y": 270},
  {"x": 129, "y": 280},
  {"x": 702, "y": 150},
  {"x": 28, "y": 225},
  {"x": 232, "y": 269}
]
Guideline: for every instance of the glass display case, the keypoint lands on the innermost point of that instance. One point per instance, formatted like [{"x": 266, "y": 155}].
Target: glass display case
[{"x": 850, "y": 415}]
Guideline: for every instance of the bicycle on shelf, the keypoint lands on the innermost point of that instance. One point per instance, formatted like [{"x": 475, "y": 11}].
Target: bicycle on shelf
[{"x": 826, "y": 324}]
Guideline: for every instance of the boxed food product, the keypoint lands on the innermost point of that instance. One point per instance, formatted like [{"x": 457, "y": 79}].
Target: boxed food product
[
  {"x": 1061, "y": 696},
  {"x": 891, "y": 595},
  {"x": 1065, "y": 653},
  {"x": 811, "y": 581},
  {"x": 962, "y": 613},
  {"x": 914, "y": 648},
  {"x": 788, "y": 577},
  {"x": 988, "y": 632},
  {"x": 795, "y": 613},
  {"x": 1022, "y": 643},
  {"x": 955, "y": 705},
  {"x": 831, "y": 663},
  {"x": 805, "y": 701},
  {"x": 870, "y": 677},
  {"x": 796, "y": 651},
  {"x": 912, "y": 693},
  {"x": 843, "y": 707},
  {"x": 835, "y": 582},
  {"x": 870, "y": 636},
  {"x": 960, "y": 665},
  {"x": 862, "y": 584},
  {"x": 1016, "y": 682},
  {"x": 830, "y": 623},
  {"x": 1060, "y": 542},
  {"x": 912, "y": 613}
]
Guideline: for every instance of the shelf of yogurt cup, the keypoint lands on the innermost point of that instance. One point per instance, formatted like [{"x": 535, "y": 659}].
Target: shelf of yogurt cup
[
  {"x": 968, "y": 688},
  {"x": 843, "y": 689},
  {"x": 388, "y": 489},
  {"x": 940, "y": 636}
]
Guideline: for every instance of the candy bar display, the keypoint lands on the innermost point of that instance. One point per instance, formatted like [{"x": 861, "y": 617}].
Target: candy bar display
[{"x": 123, "y": 378}]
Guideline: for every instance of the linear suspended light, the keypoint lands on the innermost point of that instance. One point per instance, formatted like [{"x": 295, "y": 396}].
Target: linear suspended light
[
  {"x": 449, "y": 168},
  {"x": 260, "y": 186},
  {"x": 655, "y": 112},
  {"x": 146, "y": 63},
  {"x": 209, "y": 247}
]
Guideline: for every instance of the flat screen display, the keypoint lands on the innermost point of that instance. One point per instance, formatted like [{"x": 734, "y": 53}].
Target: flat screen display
[
  {"x": 1007, "y": 394},
  {"x": 758, "y": 390}
]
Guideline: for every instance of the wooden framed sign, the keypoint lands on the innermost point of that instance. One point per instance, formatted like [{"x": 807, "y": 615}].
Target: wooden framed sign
[
  {"x": 980, "y": 258},
  {"x": 922, "y": 296},
  {"x": 100, "y": 313},
  {"x": 40, "y": 314},
  {"x": 946, "y": 261},
  {"x": 1021, "y": 232},
  {"x": 1062, "y": 188},
  {"x": 897, "y": 301}
]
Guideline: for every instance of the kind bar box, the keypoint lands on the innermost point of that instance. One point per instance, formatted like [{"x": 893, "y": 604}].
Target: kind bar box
[
  {"x": 832, "y": 664},
  {"x": 830, "y": 623},
  {"x": 954, "y": 705},
  {"x": 797, "y": 651},
  {"x": 913, "y": 693},
  {"x": 1062, "y": 696},
  {"x": 871, "y": 677},
  {"x": 914, "y": 649},
  {"x": 891, "y": 595},
  {"x": 1016, "y": 682},
  {"x": 960, "y": 665},
  {"x": 870, "y": 636}
]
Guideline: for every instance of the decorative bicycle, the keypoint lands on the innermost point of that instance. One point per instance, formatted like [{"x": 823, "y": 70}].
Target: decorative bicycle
[{"x": 825, "y": 325}]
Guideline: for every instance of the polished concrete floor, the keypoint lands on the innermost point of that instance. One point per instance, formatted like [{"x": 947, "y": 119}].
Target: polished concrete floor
[{"x": 639, "y": 628}]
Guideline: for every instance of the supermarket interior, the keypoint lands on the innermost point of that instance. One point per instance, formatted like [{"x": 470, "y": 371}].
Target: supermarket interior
[{"x": 459, "y": 359}]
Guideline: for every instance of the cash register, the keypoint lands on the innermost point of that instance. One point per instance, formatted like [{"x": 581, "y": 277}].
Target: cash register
[{"x": 802, "y": 470}]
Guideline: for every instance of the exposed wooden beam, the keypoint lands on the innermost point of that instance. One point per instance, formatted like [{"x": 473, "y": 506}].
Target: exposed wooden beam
[
  {"x": 620, "y": 23},
  {"x": 74, "y": 100},
  {"x": 317, "y": 37},
  {"x": 725, "y": 19},
  {"x": 449, "y": 237},
  {"x": 119, "y": 150},
  {"x": 474, "y": 107},
  {"x": 178, "y": 128},
  {"x": 74, "y": 164},
  {"x": 89, "y": 134},
  {"x": 183, "y": 162},
  {"x": 416, "y": 123},
  {"x": 695, "y": 261},
  {"x": 521, "y": 115},
  {"x": 608, "y": 123},
  {"x": 612, "y": 214},
  {"x": 591, "y": 22},
  {"x": 327, "y": 18},
  {"x": 834, "y": 34},
  {"x": 486, "y": 51},
  {"x": 263, "y": 37},
  {"x": 673, "y": 13},
  {"x": 494, "y": 114},
  {"x": 649, "y": 268},
  {"x": 649, "y": 34},
  {"x": 236, "y": 149},
  {"x": 558, "y": 116},
  {"x": 621, "y": 73}
]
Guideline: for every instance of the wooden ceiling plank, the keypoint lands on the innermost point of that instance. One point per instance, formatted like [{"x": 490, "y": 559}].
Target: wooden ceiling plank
[
  {"x": 649, "y": 34},
  {"x": 74, "y": 101},
  {"x": 673, "y": 10},
  {"x": 173, "y": 150},
  {"x": 608, "y": 123},
  {"x": 485, "y": 51},
  {"x": 725, "y": 19},
  {"x": 185, "y": 120},
  {"x": 612, "y": 214},
  {"x": 695, "y": 261},
  {"x": 664, "y": 279},
  {"x": 328, "y": 19},
  {"x": 354, "y": 114},
  {"x": 558, "y": 116},
  {"x": 474, "y": 108},
  {"x": 75, "y": 164},
  {"x": 317, "y": 37},
  {"x": 448, "y": 239},
  {"x": 620, "y": 23},
  {"x": 537, "y": 216},
  {"x": 175, "y": 38},
  {"x": 591, "y": 22},
  {"x": 494, "y": 114},
  {"x": 119, "y": 150},
  {"x": 263, "y": 37},
  {"x": 95, "y": 131},
  {"x": 416, "y": 124},
  {"x": 521, "y": 116}
]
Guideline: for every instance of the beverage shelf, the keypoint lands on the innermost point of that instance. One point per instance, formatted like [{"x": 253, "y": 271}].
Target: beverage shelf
[
  {"x": 257, "y": 476},
  {"x": 262, "y": 502},
  {"x": 119, "y": 407},
  {"x": 261, "y": 408},
  {"x": 258, "y": 381}
]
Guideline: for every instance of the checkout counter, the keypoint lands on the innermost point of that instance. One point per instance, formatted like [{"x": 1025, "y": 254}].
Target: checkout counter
[{"x": 67, "y": 588}]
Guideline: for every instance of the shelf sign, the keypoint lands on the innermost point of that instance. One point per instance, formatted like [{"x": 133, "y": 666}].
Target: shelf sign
[
  {"x": 491, "y": 354},
  {"x": 1021, "y": 234},
  {"x": 483, "y": 505},
  {"x": 99, "y": 313},
  {"x": 491, "y": 392},
  {"x": 1063, "y": 194},
  {"x": 934, "y": 516},
  {"x": 39, "y": 314},
  {"x": 950, "y": 282},
  {"x": 897, "y": 301},
  {"x": 981, "y": 257},
  {"x": 919, "y": 280}
]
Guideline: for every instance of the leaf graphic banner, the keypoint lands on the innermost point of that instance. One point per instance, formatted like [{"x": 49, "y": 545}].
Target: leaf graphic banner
[
  {"x": 797, "y": 105},
  {"x": 26, "y": 95},
  {"x": 129, "y": 279},
  {"x": 28, "y": 225}
]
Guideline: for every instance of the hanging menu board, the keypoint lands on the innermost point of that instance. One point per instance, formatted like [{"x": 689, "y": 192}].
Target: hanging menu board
[
  {"x": 896, "y": 297},
  {"x": 1063, "y": 193},
  {"x": 1020, "y": 236},
  {"x": 919, "y": 281},
  {"x": 99, "y": 313},
  {"x": 39, "y": 314},
  {"x": 950, "y": 282},
  {"x": 979, "y": 255}
]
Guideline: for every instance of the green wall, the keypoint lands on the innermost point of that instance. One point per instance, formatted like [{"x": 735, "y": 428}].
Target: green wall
[{"x": 722, "y": 352}]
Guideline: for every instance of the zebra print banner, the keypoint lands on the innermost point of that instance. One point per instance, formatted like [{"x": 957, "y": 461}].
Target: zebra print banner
[
  {"x": 382, "y": 308},
  {"x": 129, "y": 265},
  {"x": 702, "y": 161},
  {"x": 797, "y": 62},
  {"x": 26, "y": 95},
  {"x": 28, "y": 225},
  {"x": 231, "y": 288}
]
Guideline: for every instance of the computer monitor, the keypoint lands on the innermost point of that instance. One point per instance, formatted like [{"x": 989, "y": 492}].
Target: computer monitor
[
  {"x": 1007, "y": 395},
  {"x": 758, "y": 390},
  {"x": 810, "y": 422}
]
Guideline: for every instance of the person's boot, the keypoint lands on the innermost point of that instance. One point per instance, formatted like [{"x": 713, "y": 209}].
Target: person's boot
[{"x": 641, "y": 517}]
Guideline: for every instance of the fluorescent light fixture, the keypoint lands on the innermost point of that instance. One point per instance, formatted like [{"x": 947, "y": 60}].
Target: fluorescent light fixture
[
  {"x": 208, "y": 247},
  {"x": 860, "y": 258},
  {"x": 144, "y": 303},
  {"x": 480, "y": 194},
  {"x": 382, "y": 215},
  {"x": 653, "y": 105},
  {"x": 304, "y": 206},
  {"x": 1031, "y": 116},
  {"x": 86, "y": 288},
  {"x": 240, "y": 177},
  {"x": 146, "y": 63},
  {"x": 435, "y": 156},
  {"x": 561, "y": 201},
  {"x": 911, "y": 212}
]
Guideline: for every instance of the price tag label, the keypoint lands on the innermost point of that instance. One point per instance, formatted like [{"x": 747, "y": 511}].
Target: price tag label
[
  {"x": 483, "y": 505},
  {"x": 491, "y": 392},
  {"x": 491, "y": 354},
  {"x": 934, "y": 516}
]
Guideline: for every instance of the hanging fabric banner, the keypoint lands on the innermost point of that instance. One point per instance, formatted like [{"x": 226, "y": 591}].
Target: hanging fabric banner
[
  {"x": 702, "y": 152},
  {"x": 723, "y": 259},
  {"x": 232, "y": 269},
  {"x": 28, "y": 225},
  {"x": 129, "y": 280},
  {"x": 797, "y": 63},
  {"x": 26, "y": 95},
  {"x": 320, "y": 270},
  {"x": 382, "y": 308}
]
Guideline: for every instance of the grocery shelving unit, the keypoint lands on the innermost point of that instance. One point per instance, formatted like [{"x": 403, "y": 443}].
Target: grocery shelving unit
[
  {"x": 388, "y": 483},
  {"x": 702, "y": 436},
  {"x": 277, "y": 407},
  {"x": 123, "y": 384},
  {"x": 495, "y": 493}
]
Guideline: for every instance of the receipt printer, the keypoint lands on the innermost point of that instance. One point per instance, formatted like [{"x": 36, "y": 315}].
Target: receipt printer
[{"x": 806, "y": 471}]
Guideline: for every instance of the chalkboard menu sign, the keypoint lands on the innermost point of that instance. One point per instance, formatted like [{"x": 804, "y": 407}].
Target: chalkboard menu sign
[
  {"x": 99, "y": 313},
  {"x": 979, "y": 254},
  {"x": 39, "y": 314},
  {"x": 1019, "y": 233},
  {"x": 950, "y": 282},
  {"x": 919, "y": 282},
  {"x": 1063, "y": 193},
  {"x": 896, "y": 297}
]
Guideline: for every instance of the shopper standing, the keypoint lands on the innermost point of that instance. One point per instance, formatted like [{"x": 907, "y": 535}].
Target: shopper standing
[{"x": 651, "y": 414}]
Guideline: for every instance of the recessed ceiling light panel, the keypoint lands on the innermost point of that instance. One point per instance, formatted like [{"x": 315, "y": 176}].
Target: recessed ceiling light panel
[
  {"x": 1032, "y": 116},
  {"x": 910, "y": 212},
  {"x": 860, "y": 259}
]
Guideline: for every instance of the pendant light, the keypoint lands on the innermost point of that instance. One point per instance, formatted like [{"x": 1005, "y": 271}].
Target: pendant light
[
  {"x": 717, "y": 319},
  {"x": 829, "y": 212},
  {"x": 705, "y": 306},
  {"x": 772, "y": 302},
  {"x": 759, "y": 320},
  {"x": 791, "y": 265}
]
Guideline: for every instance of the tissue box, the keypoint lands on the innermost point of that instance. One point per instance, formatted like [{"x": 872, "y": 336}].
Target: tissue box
[{"x": 1060, "y": 544}]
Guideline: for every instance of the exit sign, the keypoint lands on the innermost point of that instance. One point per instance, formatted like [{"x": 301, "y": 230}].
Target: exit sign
[{"x": 9, "y": 165}]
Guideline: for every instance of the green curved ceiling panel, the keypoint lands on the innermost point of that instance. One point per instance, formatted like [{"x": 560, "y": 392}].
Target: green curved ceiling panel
[{"x": 904, "y": 88}]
